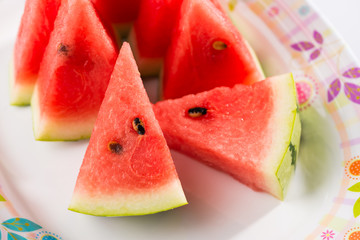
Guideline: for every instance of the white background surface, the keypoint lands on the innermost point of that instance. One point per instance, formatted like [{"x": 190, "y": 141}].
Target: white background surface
[
  {"x": 196, "y": 218},
  {"x": 344, "y": 16}
]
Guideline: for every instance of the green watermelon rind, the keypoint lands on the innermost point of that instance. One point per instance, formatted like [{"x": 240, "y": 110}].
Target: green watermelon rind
[
  {"x": 20, "y": 95},
  {"x": 52, "y": 131},
  {"x": 254, "y": 58},
  {"x": 172, "y": 194},
  {"x": 287, "y": 165}
]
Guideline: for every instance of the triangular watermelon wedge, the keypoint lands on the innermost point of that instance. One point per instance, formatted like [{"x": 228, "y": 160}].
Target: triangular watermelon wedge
[
  {"x": 74, "y": 74},
  {"x": 127, "y": 168},
  {"x": 251, "y": 132},
  {"x": 206, "y": 51},
  {"x": 33, "y": 36}
]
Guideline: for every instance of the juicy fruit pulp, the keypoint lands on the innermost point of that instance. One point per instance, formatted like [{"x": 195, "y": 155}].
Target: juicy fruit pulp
[
  {"x": 36, "y": 25},
  {"x": 251, "y": 132},
  {"x": 150, "y": 36},
  {"x": 118, "y": 13},
  {"x": 127, "y": 168},
  {"x": 74, "y": 74},
  {"x": 152, "y": 31},
  {"x": 206, "y": 51}
]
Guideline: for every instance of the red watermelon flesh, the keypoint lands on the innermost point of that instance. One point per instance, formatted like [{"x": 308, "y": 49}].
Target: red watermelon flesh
[
  {"x": 136, "y": 175},
  {"x": 120, "y": 13},
  {"x": 251, "y": 132},
  {"x": 206, "y": 51},
  {"x": 151, "y": 33},
  {"x": 74, "y": 74},
  {"x": 33, "y": 36}
]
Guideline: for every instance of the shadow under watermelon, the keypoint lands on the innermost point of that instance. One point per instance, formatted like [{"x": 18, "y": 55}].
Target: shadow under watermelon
[{"x": 219, "y": 207}]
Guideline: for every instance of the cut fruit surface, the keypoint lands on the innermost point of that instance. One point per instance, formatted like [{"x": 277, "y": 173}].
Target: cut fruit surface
[
  {"x": 251, "y": 132},
  {"x": 127, "y": 168},
  {"x": 33, "y": 36},
  {"x": 206, "y": 51},
  {"x": 118, "y": 13},
  {"x": 74, "y": 74},
  {"x": 151, "y": 33}
]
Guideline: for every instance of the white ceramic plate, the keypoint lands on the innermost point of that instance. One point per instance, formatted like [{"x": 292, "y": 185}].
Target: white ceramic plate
[{"x": 37, "y": 178}]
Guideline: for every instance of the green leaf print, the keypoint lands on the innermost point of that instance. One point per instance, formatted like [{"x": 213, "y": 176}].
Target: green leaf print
[
  {"x": 356, "y": 209},
  {"x": 355, "y": 187}
]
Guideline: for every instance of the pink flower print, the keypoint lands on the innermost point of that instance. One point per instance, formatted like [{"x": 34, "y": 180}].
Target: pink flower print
[
  {"x": 318, "y": 37},
  {"x": 304, "y": 92},
  {"x": 327, "y": 235},
  {"x": 308, "y": 45},
  {"x": 351, "y": 90},
  {"x": 334, "y": 89},
  {"x": 273, "y": 11}
]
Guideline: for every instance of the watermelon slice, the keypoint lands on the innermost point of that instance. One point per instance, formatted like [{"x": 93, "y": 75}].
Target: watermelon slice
[
  {"x": 127, "y": 168},
  {"x": 33, "y": 36},
  {"x": 207, "y": 55},
  {"x": 74, "y": 74},
  {"x": 251, "y": 132},
  {"x": 151, "y": 33},
  {"x": 119, "y": 13}
]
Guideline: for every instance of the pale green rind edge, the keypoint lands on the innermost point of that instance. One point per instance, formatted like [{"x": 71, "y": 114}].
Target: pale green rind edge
[
  {"x": 48, "y": 134},
  {"x": 255, "y": 59},
  {"x": 78, "y": 210},
  {"x": 20, "y": 95},
  {"x": 285, "y": 169},
  {"x": 49, "y": 138},
  {"x": 151, "y": 201}
]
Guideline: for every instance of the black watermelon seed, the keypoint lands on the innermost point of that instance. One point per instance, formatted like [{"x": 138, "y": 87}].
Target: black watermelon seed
[
  {"x": 197, "y": 112},
  {"x": 138, "y": 126},
  {"x": 219, "y": 45},
  {"x": 63, "y": 49},
  {"x": 115, "y": 147}
]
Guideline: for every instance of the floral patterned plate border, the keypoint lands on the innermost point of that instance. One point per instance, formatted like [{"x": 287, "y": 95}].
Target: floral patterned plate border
[
  {"x": 324, "y": 199},
  {"x": 326, "y": 73}
]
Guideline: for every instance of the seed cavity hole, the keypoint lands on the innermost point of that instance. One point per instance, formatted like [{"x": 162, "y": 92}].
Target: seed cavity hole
[
  {"x": 115, "y": 147},
  {"x": 138, "y": 126},
  {"x": 63, "y": 49},
  {"x": 197, "y": 112},
  {"x": 219, "y": 45}
]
